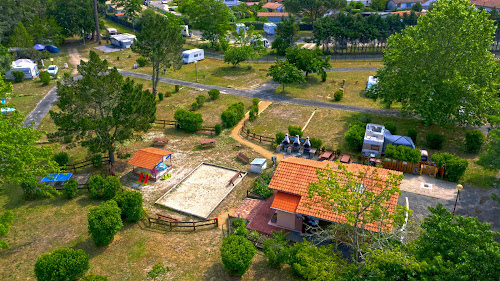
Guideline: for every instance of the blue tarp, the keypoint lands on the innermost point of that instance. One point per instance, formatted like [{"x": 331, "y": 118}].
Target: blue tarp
[
  {"x": 39, "y": 47},
  {"x": 52, "y": 49},
  {"x": 397, "y": 140},
  {"x": 57, "y": 177}
]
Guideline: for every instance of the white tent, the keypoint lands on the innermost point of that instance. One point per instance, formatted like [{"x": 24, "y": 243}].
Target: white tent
[{"x": 28, "y": 67}]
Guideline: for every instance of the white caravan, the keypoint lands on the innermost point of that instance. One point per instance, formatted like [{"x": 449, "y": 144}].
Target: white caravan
[
  {"x": 185, "y": 31},
  {"x": 270, "y": 28},
  {"x": 193, "y": 55}
]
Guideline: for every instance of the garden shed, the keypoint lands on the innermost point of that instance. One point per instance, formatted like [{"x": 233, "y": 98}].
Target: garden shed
[
  {"x": 258, "y": 165},
  {"x": 151, "y": 161}
]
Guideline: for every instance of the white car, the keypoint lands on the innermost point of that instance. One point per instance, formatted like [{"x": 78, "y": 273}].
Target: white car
[
  {"x": 164, "y": 1},
  {"x": 52, "y": 70}
]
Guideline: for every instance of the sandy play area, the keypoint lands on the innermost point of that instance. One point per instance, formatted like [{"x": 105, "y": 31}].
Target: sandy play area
[{"x": 201, "y": 191}]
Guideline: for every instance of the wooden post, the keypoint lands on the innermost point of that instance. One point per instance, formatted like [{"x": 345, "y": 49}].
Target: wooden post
[
  {"x": 217, "y": 222},
  {"x": 260, "y": 138}
]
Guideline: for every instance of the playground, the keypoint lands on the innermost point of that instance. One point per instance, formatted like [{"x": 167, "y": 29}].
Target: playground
[{"x": 202, "y": 190}]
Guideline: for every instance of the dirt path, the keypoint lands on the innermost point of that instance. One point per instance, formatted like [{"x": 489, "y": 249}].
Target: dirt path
[
  {"x": 74, "y": 58},
  {"x": 262, "y": 151}
]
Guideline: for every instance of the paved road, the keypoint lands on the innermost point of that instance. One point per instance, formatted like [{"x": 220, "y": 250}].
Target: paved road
[{"x": 41, "y": 109}]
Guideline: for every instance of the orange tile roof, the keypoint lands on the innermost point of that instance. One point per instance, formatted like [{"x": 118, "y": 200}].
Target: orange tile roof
[
  {"x": 293, "y": 176},
  {"x": 286, "y": 201},
  {"x": 272, "y": 6},
  {"x": 148, "y": 158},
  {"x": 402, "y": 13},
  {"x": 271, "y": 14},
  {"x": 486, "y": 3}
]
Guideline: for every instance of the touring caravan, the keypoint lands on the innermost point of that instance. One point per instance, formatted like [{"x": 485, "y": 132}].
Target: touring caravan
[
  {"x": 28, "y": 67},
  {"x": 193, "y": 55},
  {"x": 123, "y": 40},
  {"x": 270, "y": 28},
  {"x": 185, "y": 31}
]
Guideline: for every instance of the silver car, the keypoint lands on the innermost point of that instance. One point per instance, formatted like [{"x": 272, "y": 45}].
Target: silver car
[{"x": 52, "y": 70}]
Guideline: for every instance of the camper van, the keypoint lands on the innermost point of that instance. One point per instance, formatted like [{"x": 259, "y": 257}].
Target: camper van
[
  {"x": 185, "y": 31},
  {"x": 270, "y": 28},
  {"x": 263, "y": 40},
  {"x": 193, "y": 55},
  {"x": 28, "y": 67},
  {"x": 111, "y": 31}
]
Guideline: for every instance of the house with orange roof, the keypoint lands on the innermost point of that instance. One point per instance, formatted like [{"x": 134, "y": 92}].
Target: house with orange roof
[
  {"x": 152, "y": 161},
  {"x": 272, "y": 16},
  {"x": 293, "y": 209},
  {"x": 488, "y": 5},
  {"x": 274, "y": 7}
]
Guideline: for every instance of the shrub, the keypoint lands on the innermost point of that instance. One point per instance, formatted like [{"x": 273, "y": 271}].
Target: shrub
[
  {"x": 338, "y": 95},
  {"x": 280, "y": 136},
  {"x": 233, "y": 114},
  {"x": 158, "y": 270},
  {"x": 255, "y": 101},
  {"x": 61, "y": 264},
  {"x": 474, "y": 139},
  {"x": 68, "y": 139},
  {"x": 295, "y": 130},
  {"x": 412, "y": 133},
  {"x": 434, "y": 141},
  {"x": 403, "y": 153},
  {"x": 160, "y": 96},
  {"x": 195, "y": 106},
  {"x": 71, "y": 187},
  {"x": 354, "y": 136},
  {"x": 391, "y": 127},
  {"x": 168, "y": 94},
  {"x": 214, "y": 94},
  {"x": 5, "y": 222},
  {"x": 454, "y": 166},
  {"x": 96, "y": 186},
  {"x": 33, "y": 189},
  {"x": 61, "y": 158},
  {"x": 261, "y": 185},
  {"x": 201, "y": 100},
  {"x": 188, "y": 120},
  {"x": 237, "y": 254},
  {"x": 93, "y": 277},
  {"x": 111, "y": 185},
  {"x": 130, "y": 202},
  {"x": 97, "y": 161},
  {"x": 104, "y": 222},
  {"x": 316, "y": 143},
  {"x": 117, "y": 58},
  {"x": 318, "y": 263},
  {"x": 44, "y": 77},
  {"x": 18, "y": 76},
  {"x": 218, "y": 129},
  {"x": 323, "y": 76},
  {"x": 276, "y": 249},
  {"x": 365, "y": 118},
  {"x": 177, "y": 87},
  {"x": 254, "y": 112},
  {"x": 142, "y": 61}
]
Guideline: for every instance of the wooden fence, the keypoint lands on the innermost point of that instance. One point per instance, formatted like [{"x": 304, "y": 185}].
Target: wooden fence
[
  {"x": 80, "y": 186},
  {"x": 170, "y": 225},
  {"x": 83, "y": 164},
  {"x": 165, "y": 123},
  {"x": 255, "y": 137}
]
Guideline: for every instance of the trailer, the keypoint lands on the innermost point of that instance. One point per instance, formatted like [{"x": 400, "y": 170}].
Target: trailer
[
  {"x": 270, "y": 28},
  {"x": 28, "y": 67},
  {"x": 193, "y": 55},
  {"x": 185, "y": 31}
]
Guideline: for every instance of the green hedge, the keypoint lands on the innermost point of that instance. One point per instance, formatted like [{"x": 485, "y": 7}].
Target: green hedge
[
  {"x": 233, "y": 114},
  {"x": 455, "y": 166},
  {"x": 188, "y": 120},
  {"x": 403, "y": 153}
]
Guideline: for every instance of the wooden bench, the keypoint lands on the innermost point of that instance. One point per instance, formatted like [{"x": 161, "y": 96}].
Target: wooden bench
[
  {"x": 345, "y": 159},
  {"x": 207, "y": 142},
  {"x": 231, "y": 181},
  {"x": 165, "y": 218},
  {"x": 325, "y": 155},
  {"x": 243, "y": 158},
  {"x": 160, "y": 141}
]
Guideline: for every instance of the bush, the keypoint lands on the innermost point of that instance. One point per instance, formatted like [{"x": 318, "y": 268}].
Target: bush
[
  {"x": 338, "y": 95},
  {"x": 276, "y": 249},
  {"x": 44, "y": 77},
  {"x": 402, "y": 153},
  {"x": 254, "y": 112},
  {"x": 18, "y": 76},
  {"x": 233, "y": 114},
  {"x": 434, "y": 141},
  {"x": 365, "y": 118},
  {"x": 68, "y": 139},
  {"x": 391, "y": 127},
  {"x": 160, "y": 96},
  {"x": 101, "y": 188},
  {"x": 316, "y": 143},
  {"x": 168, "y": 94},
  {"x": 261, "y": 185},
  {"x": 323, "y": 76},
  {"x": 61, "y": 264},
  {"x": 96, "y": 186},
  {"x": 214, "y": 94},
  {"x": 201, "y": 100},
  {"x": 188, "y": 120},
  {"x": 33, "y": 189},
  {"x": 354, "y": 137},
  {"x": 295, "y": 131},
  {"x": 104, "y": 222},
  {"x": 318, "y": 263},
  {"x": 130, "y": 202},
  {"x": 93, "y": 277},
  {"x": 61, "y": 158},
  {"x": 237, "y": 254},
  {"x": 412, "y": 133},
  {"x": 195, "y": 106},
  {"x": 117, "y": 58},
  {"x": 474, "y": 139},
  {"x": 71, "y": 187},
  {"x": 111, "y": 186},
  {"x": 255, "y": 101},
  {"x": 454, "y": 166},
  {"x": 177, "y": 87},
  {"x": 280, "y": 136},
  {"x": 97, "y": 161},
  {"x": 218, "y": 129},
  {"x": 142, "y": 61}
]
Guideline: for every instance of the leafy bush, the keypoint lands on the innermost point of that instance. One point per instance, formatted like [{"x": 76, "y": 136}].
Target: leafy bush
[
  {"x": 104, "y": 222},
  {"x": 71, "y": 187},
  {"x": 261, "y": 184},
  {"x": 61, "y": 264},
  {"x": 255, "y": 101},
  {"x": 454, "y": 166},
  {"x": 323, "y": 76},
  {"x": 365, "y": 118},
  {"x": 201, "y": 100},
  {"x": 233, "y": 114},
  {"x": 97, "y": 161},
  {"x": 402, "y": 153},
  {"x": 214, "y": 94},
  {"x": 68, "y": 139},
  {"x": 338, "y": 95},
  {"x": 160, "y": 96},
  {"x": 318, "y": 263},
  {"x": 168, "y": 94},
  {"x": 18, "y": 76},
  {"x": 474, "y": 139},
  {"x": 44, "y": 77},
  {"x": 195, "y": 106},
  {"x": 412, "y": 133},
  {"x": 158, "y": 270},
  {"x": 295, "y": 130},
  {"x": 316, "y": 143},
  {"x": 111, "y": 186},
  {"x": 188, "y": 120},
  {"x": 276, "y": 249},
  {"x": 391, "y": 127},
  {"x": 254, "y": 112},
  {"x": 142, "y": 61},
  {"x": 177, "y": 87},
  {"x": 5, "y": 221},
  {"x": 93, "y": 277},
  {"x": 96, "y": 186},
  {"x": 354, "y": 137},
  {"x": 237, "y": 254},
  {"x": 280, "y": 136},
  {"x": 101, "y": 188},
  {"x": 130, "y": 202},
  {"x": 61, "y": 158},
  {"x": 218, "y": 129},
  {"x": 33, "y": 189},
  {"x": 434, "y": 141}
]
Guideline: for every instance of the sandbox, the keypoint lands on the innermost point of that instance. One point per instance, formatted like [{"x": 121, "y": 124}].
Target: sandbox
[{"x": 202, "y": 190}]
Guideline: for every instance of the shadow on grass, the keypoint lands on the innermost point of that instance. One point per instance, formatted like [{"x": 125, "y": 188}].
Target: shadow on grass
[{"x": 233, "y": 71}]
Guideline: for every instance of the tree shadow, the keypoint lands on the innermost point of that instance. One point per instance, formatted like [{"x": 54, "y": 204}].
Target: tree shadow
[{"x": 233, "y": 71}]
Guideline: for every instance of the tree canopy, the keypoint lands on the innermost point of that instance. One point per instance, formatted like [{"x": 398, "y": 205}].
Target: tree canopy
[
  {"x": 313, "y": 9},
  {"x": 443, "y": 62},
  {"x": 286, "y": 35},
  {"x": 285, "y": 72},
  {"x": 21, "y": 38},
  {"x": 309, "y": 61}
]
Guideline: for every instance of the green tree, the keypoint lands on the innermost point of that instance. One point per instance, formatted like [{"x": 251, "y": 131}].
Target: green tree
[
  {"x": 75, "y": 16},
  {"x": 313, "y": 9},
  {"x": 101, "y": 110},
  {"x": 211, "y": 17},
  {"x": 104, "y": 222},
  {"x": 417, "y": 7},
  {"x": 474, "y": 139},
  {"x": 276, "y": 249},
  {"x": 362, "y": 198},
  {"x": 62, "y": 265},
  {"x": 457, "y": 248},
  {"x": 378, "y": 5},
  {"x": 309, "y": 61},
  {"x": 237, "y": 254},
  {"x": 318, "y": 263},
  {"x": 160, "y": 41},
  {"x": 285, "y": 72},
  {"x": 237, "y": 55},
  {"x": 130, "y": 202},
  {"x": 491, "y": 158},
  {"x": 445, "y": 63},
  {"x": 45, "y": 31},
  {"x": 286, "y": 34},
  {"x": 21, "y": 37},
  {"x": 5, "y": 87},
  {"x": 70, "y": 188},
  {"x": 132, "y": 8},
  {"x": 354, "y": 136},
  {"x": 5, "y": 65},
  {"x": 5, "y": 222},
  {"x": 455, "y": 166}
]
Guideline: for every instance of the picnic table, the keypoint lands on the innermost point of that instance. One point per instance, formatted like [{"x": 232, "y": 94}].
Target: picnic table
[
  {"x": 345, "y": 158},
  {"x": 160, "y": 141},
  {"x": 312, "y": 152},
  {"x": 325, "y": 155},
  {"x": 207, "y": 142}
]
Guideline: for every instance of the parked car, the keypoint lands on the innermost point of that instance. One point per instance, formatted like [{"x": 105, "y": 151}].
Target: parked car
[
  {"x": 172, "y": 9},
  {"x": 164, "y": 1},
  {"x": 52, "y": 70}
]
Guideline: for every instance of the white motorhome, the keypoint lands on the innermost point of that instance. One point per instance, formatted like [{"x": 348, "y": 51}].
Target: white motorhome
[
  {"x": 264, "y": 41},
  {"x": 28, "y": 67},
  {"x": 111, "y": 31},
  {"x": 270, "y": 28},
  {"x": 185, "y": 31},
  {"x": 193, "y": 55},
  {"x": 240, "y": 28}
]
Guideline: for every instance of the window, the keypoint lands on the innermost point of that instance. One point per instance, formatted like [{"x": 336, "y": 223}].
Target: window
[
  {"x": 375, "y": 147},
  {"x": 195, "y": 55}
]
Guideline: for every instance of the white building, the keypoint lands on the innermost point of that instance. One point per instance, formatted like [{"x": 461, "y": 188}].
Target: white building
[
  {"x": 373, "y": 143},
  {"x": 123, "y": 40},
  {"x": 231, "y": 3}
]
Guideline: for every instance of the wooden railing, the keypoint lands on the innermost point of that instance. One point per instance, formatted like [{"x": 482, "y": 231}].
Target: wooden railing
[
  {"x": 83, "y": 164},
  {"x": 256, "y": 137},
  {"x": 170, "y": 225}
]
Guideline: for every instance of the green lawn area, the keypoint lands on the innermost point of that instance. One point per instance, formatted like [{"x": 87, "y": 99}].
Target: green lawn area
[{"x": 119, "y": 27}]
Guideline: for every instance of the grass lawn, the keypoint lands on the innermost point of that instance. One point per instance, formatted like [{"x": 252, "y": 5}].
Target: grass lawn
[{"x": 119, "y": 27}]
